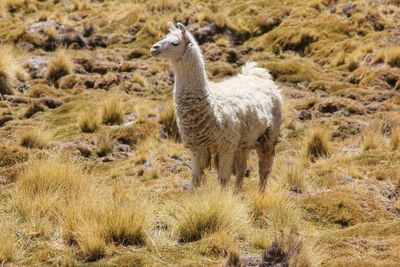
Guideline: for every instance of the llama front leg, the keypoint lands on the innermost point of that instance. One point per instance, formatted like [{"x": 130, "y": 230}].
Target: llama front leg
[
  {"x": 200, "y": 161},
  {"x": 241, "y": 164},
  {"x": 225, "y": 164}
]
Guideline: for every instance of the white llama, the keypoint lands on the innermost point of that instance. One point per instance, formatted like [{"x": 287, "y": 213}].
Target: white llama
[{"x": 228, "y": 118}]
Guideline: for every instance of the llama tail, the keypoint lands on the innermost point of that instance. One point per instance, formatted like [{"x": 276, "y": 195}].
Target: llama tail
[{"x": 250, "y": 68}]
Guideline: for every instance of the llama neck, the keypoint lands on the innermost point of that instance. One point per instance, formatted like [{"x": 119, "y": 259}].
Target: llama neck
[
  {"x": 190, "y": 76},
  {"x": 194, "y": 103}
]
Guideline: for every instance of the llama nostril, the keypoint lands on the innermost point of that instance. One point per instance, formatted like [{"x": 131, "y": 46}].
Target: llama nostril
[{"x": 155, "y": 49}]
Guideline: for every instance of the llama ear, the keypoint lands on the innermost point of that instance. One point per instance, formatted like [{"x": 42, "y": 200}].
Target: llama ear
[
  {"x": 171, "y": 26},
  {"x": 185, "y": 33},
  {"x": 181, "y": 27}
]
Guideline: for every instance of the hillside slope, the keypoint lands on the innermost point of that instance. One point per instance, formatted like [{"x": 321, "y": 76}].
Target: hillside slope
[{"x": 92, "y": 170}]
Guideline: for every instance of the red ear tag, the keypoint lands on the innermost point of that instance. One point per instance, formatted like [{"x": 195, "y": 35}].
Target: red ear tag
[{"x": 186, "y": 36}]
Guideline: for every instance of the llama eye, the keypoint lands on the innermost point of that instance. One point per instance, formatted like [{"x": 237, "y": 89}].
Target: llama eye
[{"x": 175, "y": 44}]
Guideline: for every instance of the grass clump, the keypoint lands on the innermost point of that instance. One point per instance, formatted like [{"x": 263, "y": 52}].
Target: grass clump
[
  {"x": 59, "y": 66},
  {"x": 38, "y": 90},
  {"x": 208, "y": 211},
  {"x": 7, "y": 71},
  {"x": 7, "y": 237},
  {"x": 88, "y": 122},
  {"x": 279, "y": 215},
  {"x": 119, "y": 216},
  {"x": 395, "y": 138},
  {"x": 390, "y": 56},
  {"x": 292, "y": 176},
  {"x": 127, "y": 217},
  {"x": 275, "y": 210},
  {"x": 10, "y": 155},
  {"x": 113, "y": 111},
  {"x": 372, "y": 137},
  {"x": 104, "y": 144},
  {"x": 317, "y": 144},
  {"x": 90, "y": 242},
  {"x": 168, "y": 120},
  {"x": 33, "y": 108},
  {"x": 35, "y": 138},
  {"x": 139, "y": 79},
  {"x": 46, "y": 185}
]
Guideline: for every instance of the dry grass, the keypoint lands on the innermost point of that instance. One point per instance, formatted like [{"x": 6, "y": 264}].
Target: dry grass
[
  {"x": 313, "y": 49},
  {"x": 127, "y": 217},
  {"x": 113, "y": 111},
  {"x": 395, "y": 138},
  {"x": 90, "y": 214},
  {"x": 8, "y": 240},
  {"x": 275, "y": 210},
  {"x": 35, "y": 138},
  {"x": 220, "y": 244},
  {"x": 88, "y": 122},
  {"x": 33, "y": 108},
  {"x": 292, "y": 175},
  {"x": 168, "y": 120},
  {"x": 137, "y": 78},
  {"x": 59, "y": 66},
  {"x": 104, "y": 144},
  {"x": 282, "y": 218},
  {"x": 390, "y": 56},
  {"x": 7, "y": 71},
  {"x": 372, "y": 137},
  {"x": 120, "y": 216},
  {"x": 91, "y": 244},
  {"x": 317, "y": 144},
  {"x": 10, "y": 155},
  {"x": 39, "y": 90},
  {"x": 46, "y": 184},
  {"x": 208, "y": 211}
]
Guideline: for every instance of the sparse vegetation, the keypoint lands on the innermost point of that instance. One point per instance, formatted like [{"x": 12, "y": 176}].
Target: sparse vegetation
[
  {"x": 372, "y": 137},
  {"x": 168, "y": 120},
  {"x": 33, "y": 108},
  {"x": 317, "y": 144},
  {"x": 113, "y": 112},
  {"x": 7, "y": 71},
  {"x": 208, "y": 211},
  {"x": 7, "y": 237},
  {"x": 104, "y": 144},
  {"x": 35, "y": 138},
  {"x": 59, "y": 66},
  {"x": 108, "y": 186},
  {"x": 395, "y": 138},
  {"x": 88, "y": 122}
]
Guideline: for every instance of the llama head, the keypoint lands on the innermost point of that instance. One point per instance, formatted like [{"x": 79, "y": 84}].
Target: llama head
[{"x": 174, "y": 44}]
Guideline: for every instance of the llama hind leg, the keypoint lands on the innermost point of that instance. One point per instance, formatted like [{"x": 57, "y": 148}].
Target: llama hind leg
[
  {"x": 200, "y": 161},
  {"x": 265, "y": 161},
  {"x": 240, "y": 167},
  {"x": 266, "y": 154}
]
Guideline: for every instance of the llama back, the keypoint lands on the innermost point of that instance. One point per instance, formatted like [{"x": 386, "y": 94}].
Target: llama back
[{"x": 250, "y": 68}]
